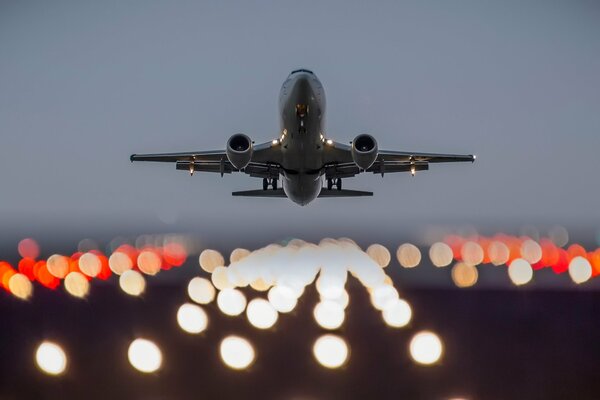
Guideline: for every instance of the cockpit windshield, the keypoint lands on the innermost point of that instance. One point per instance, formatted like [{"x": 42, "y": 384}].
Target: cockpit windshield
[{"x": 302, "y": 70}]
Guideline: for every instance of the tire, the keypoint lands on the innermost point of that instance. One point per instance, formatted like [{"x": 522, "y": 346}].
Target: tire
[
  {"x": 265, "y": 184},
  {"x": 329, "y": 184},
  {"x": 338, "y": 183}
]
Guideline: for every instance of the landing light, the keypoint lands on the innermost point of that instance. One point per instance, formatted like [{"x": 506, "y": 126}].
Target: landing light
[
  {"x": 413, "y": 170},
  {"x": 275, "y": 141},
  {"x": 329, "y": 142}
]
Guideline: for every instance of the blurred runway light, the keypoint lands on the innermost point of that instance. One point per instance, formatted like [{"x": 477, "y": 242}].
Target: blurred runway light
[
  {"x": 383, "y": 295},
  {"x": 282, "y": 298},
  {"x": 76, "y": 284},
  {"x": 90, "y": 264},
  {"x": 132, "y": 283},
  {"x": 201, "y": 290},
  {"x": 409, "y": 255},
  {"x": 144, "y": 355},
  {"x": 498, "y": 253},
  {"x": 559, "y": 236},
  {"x": 379, "y": 254},
  {"x": 28, "y": 248},
  {"x": 261, "y": 314},
  {"x": 520, "y": 272},
  {"x": 531, "y": 251},
  {"x": 580, "y": 270},
  {"x": 211, "y": 259},
  {"x": 440, "y": 254},
  {"x": 464, "y": 275},
  {"x": 237, "y": 352},
  {"x": 119, "y": 262},
  {"x": 192, "y": 318},
  {"x": 472, "y": 253},
  {"x": 149, "y": 262},
  {"x": 231, "y": 302},
  {"x": 238, "y": 254},
  {"x": 58, "y": 265},
  {"x": 331, "y": 351},
  {"x": 426, "y": 348},
  {"x": 329, "y": 314},
  {"x": 20, "y": 286},
  {"x": 220, "y": 278},
  {"x": 397, "y": 313},
  {"x": 51, "y": 358}
]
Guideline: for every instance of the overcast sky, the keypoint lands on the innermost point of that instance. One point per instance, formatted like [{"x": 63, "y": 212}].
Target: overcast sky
[{"x": 85, "y": 84}]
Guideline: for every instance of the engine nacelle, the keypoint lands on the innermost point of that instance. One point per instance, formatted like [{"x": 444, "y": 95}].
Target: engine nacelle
[
  {"x": 239, "y": 150},
  {"x": 364, "y": 151}
]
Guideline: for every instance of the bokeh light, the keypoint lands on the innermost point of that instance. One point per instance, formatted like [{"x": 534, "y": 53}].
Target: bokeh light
[
  {"x": 282, "y": 298},
  {"x": 132, "y": 283},
  {"x": 76, "y": 284},
  {"x": 28, "y": 248},
  {"x": 231, "y": 302},
  {"x": 51, "y": 358},
  {"x": 210, "y": 259},
  {"x": 192, "y": 318},
  {"x": 559, "y": 236},
  {"x": 144, "y": 355},
  {"x": 531, "y": 251},
  {"x": 90, "y": 264},
  {"x": 329, "y": 314},
  {"x": 498, "y": 253},
  {"x": 220, "y": 278},
  {"x": 238, "y": 255},
  {"x": 580, "y": 270},
  {"x": 201, "y": 290},
  {"x": 440, "y": 254},
  {"x": 331, "y": 351},
  {"x": 237, "y": 352},
  {"x": 397, "y": 313},
  {"x": 520, "y": 271},
  {"x": 464, "y": 275},
  {"x": 119, "y": 262},
  {"x": 409, "y": 255},
  {"x": 58, "y": 265},
  {"x": 149, "y": 262},
  {"x": 20, "y": 286},
  {"x": 426, "y": 348},
  {"x": 380, "y": 254},
  {"x": 471, "y": 253},
  {"x": 261, "y": 314}
]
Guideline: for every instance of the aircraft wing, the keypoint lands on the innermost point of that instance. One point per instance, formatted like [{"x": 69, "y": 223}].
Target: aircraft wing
[
  {"x": 340, "y": 164},
  {"x": 264, "y": 162}
]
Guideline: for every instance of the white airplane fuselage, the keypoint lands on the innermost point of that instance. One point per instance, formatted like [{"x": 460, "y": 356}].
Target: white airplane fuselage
[{"x": 302, "y": 113}]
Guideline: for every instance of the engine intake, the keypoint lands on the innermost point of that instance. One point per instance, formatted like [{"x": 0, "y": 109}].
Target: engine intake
[
  {"x": 239, "y": 150},
  {"x": 364, "y": 151}
]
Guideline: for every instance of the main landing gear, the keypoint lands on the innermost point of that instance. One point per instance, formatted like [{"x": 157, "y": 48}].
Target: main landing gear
[
  {"x": 269, "y": 182},
  {"x": 338, "y": 183}
]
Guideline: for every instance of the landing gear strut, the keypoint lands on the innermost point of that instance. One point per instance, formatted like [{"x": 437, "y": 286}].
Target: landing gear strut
[
  {"x": 338, "y": 183},
  {"x": 269, "y": 182}
]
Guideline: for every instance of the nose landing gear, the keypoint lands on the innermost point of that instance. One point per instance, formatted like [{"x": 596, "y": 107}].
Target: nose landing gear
[
  {"x": 338, "y": 183},
  {"x": 269, "y": 182}
]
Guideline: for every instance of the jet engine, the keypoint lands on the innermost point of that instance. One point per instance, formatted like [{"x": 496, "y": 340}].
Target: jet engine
[
  {"x": 239, "y": 150},
  {"x": 364, "y": 151}
]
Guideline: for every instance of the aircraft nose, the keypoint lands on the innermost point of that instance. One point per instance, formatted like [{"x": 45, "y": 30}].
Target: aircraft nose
[{"x": 302, "y": 84}]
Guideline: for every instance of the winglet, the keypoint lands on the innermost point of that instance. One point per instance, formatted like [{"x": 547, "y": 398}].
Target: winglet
[{"x": 132, "y": 157}]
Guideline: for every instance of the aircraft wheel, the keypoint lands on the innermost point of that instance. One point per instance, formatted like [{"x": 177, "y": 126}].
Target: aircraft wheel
[
  {"x": 338, "y": 183},
  {"x": 265, "y": 184},
  {"x": 329, "y": 184},
  {"x": 274, "y": 184}
]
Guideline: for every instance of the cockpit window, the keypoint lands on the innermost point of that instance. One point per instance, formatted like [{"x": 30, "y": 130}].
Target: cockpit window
[{"x": 302, "y": 70}]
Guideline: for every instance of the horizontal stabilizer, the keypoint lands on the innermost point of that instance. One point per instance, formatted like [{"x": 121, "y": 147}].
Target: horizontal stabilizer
[
  {"x": 343, "y": 193},
  {"x": 260, "y": 193}
]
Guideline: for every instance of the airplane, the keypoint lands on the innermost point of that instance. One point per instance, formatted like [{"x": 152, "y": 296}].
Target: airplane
[{"x": 302, "y": 155}]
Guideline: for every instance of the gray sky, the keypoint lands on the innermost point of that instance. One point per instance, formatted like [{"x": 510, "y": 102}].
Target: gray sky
[{"x": 85, "y": 84}]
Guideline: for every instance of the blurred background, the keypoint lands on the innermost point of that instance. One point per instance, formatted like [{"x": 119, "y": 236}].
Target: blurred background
[{"x": 496, "y": 260}]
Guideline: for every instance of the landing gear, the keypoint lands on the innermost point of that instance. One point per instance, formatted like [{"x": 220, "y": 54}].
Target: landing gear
[
  {"x": 338, "y": 183},
  {"x": 269, "y": 182}
]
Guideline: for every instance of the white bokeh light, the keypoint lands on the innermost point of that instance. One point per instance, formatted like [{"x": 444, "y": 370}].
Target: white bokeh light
[
  {"x": 192, "y": 318},
  {"x": 231, "y": 302},
  {"x": 201, "y": 290},
  {"x": 580, "y": 270},
  {"x": 51, "y": 358},
  {"x": 520, "y": 272},
  {"x": 397, "y": 313},
  {"x": 261, "y": 313},
  {"x": 331, "y": 351},
  {"x": 237, "y": 352},
  {"x": 426, "y": 348},
  {"x": 329, "y": 314},
  {"x": 144, "y": 355}
]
